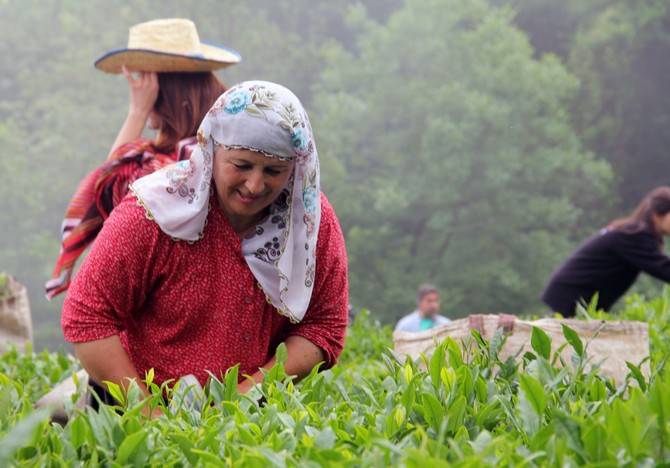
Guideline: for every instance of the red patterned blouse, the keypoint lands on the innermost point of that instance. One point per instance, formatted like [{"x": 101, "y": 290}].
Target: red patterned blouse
[{"x": 183, "y": 308}]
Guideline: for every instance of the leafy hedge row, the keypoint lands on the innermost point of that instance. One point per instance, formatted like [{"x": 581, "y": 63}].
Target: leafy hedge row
[{"x": 370, "y": 410}]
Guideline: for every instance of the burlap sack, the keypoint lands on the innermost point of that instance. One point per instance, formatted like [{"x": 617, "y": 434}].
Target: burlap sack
[
  {"x": 16, "y": 326},
  {"x": 610, "y": 344},
  {"x": 62, "y": 394}
]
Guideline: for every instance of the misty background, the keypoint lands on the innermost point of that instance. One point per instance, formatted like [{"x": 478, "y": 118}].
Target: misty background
[{"x": 468, "y": 143}]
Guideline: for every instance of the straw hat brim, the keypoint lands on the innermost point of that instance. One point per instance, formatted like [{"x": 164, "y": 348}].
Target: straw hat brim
[{"x": 210, "y": 58}]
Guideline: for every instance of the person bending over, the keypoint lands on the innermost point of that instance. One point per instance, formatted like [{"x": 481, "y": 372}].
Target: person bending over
[{"x": 610, "y": 262}]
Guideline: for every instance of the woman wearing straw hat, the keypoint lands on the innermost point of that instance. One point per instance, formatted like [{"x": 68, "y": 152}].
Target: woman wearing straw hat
[
  {"x": 172, "y": 85},
  {"x": 215, "y": 261}
]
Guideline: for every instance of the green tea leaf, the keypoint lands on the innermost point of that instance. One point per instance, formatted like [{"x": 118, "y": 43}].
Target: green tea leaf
[
  {"x": 637, "y": 375},
  {"x": 534, "y": 392},
  {"x": 433, "y": 411},
  {"x": 281, "y": 354},
  {"x": 540, "y": 342},
  {"x": 115, "y": 390},
  {"x": 456, "y": 414},
  {"x": 436, "y": 364},
  {"x": 595, "y": 442},
  {"x": 626, "y": 427},
  {"x": 132, "y": 447},
  {"x": 573, "y": 339},
  {"x": 78, "y": 430}
]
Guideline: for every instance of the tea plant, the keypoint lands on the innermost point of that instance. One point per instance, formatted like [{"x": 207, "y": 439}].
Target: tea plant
[{"x": 462, "y": 406}]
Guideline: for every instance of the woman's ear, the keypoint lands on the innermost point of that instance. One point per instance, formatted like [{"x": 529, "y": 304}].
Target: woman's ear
[{"x": 154, "y": 122}]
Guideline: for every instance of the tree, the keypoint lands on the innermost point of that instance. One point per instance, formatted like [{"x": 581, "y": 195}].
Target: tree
[
  {"x": 623, "y": 108},
  {"x": 455, "y": 157}
]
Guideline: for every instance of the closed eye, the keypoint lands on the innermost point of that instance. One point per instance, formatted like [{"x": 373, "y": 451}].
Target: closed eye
[{"x": 272, "y": 172}]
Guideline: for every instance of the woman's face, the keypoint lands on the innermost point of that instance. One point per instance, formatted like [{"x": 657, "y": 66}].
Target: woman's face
[
  {"x": 247, "y": 182},
  {"x": 662, "y": 223}
]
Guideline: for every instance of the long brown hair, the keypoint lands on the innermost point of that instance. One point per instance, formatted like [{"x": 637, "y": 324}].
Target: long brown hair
[
  {"x": 656, "y": 202},
  {"x": 183, "y": 100}
]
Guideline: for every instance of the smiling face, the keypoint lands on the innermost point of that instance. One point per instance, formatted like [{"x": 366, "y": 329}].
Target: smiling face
[{"x": 247, "y": 183}]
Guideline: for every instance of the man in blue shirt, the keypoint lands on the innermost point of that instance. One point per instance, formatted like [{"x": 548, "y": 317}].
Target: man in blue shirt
[{"x": 426, "y": 316}]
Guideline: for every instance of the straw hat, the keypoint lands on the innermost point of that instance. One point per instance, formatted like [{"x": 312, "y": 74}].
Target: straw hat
[{"x": 167, "y": 45}]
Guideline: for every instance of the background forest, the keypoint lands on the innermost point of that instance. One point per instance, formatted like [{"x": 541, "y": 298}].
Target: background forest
[{"x": 468, "y": 143}]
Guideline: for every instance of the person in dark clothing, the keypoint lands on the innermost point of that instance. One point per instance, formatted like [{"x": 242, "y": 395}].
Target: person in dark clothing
[{"x": 609, "y": 262}]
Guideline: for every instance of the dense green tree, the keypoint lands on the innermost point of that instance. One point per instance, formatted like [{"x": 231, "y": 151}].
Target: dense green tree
[
  {"x": 619, "y": 50},
  {"x": 623, "y": 109},
  {"x": 552, "y": 26},
  {"x": 457, "y": 159}
]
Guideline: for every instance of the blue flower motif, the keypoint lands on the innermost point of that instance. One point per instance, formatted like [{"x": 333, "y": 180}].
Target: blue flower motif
[
  {"x": 309, "y": 199},
  {"x": 299, "y": 139},
  {"x": 237, "y": 101},
  {"x": 179, "y": 172}
]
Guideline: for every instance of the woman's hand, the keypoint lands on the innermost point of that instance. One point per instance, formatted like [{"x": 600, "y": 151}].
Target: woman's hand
[
  {"x": 143, "y": 91},
  {"x": 143, "y": 94}
]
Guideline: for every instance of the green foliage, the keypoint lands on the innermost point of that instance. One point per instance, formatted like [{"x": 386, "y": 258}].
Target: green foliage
[
  {"x": 618, "y": 50},
  {"x": 363, "y": 345},
  {"x": 620, "y": 56},
  {"x": 450, "y": 409},
  {"x": 455, "y": 161}
]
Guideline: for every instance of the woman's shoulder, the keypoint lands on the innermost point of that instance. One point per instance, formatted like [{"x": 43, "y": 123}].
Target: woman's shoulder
[
  {"x": 138, "y": 146},
  {"x": 630, "y": 234},
  {"x": 130, "y": 215},
  {"x": 326, "y": 207},
  {"x": 624, "y": 239},
  {"x": 329, "y": 219},
  {"x": 330, "y": 232}
]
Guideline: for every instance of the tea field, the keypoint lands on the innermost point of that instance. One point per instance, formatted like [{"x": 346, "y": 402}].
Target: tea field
[{"x": 370, "y": 410}]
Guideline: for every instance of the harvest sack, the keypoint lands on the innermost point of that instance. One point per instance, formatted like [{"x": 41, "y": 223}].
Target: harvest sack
[
  {"x": 610, "y": 344},
  {"x": 63, "y": 394},
  {"x": 74, "y": 392},
  {"x": 15, "y": 323}
]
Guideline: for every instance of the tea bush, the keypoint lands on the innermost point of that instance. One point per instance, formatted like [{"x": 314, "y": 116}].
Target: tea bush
[{"x": 454, "y": 408}]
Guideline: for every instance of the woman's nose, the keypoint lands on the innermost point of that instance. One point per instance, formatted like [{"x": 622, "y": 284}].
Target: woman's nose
[{"x": 255, "y": 183}]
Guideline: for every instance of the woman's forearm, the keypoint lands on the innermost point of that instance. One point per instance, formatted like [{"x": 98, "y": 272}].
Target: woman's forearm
[
  {"x": 130, "y": 130},
  {"x": 107, "y": 360},
  {"x": 301, "y": 357}
]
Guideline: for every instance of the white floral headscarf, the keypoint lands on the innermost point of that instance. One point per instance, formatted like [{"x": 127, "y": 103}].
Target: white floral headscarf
[{"x": 281, "y": 253}]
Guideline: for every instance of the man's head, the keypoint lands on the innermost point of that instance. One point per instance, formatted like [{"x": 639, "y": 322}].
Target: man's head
[{"x": 428, "y": 300}]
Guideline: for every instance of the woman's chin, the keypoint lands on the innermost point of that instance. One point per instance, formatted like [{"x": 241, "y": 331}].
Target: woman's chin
[
  {"x": 248, "y": 209},
  {"x": 242, "y": 207}
]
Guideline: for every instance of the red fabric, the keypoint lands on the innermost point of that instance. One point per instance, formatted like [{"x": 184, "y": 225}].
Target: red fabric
[
  {"x": 185, "y": 308},
  {"x": 98, "y": 193}
]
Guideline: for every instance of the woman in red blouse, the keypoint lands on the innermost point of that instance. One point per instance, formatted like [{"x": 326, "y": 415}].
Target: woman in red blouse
[{"x": 215, "y": 261}]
